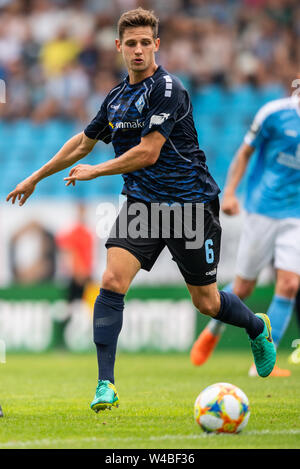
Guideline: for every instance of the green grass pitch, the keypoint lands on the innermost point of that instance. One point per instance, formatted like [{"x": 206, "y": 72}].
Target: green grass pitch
[{"x": 45, "y": 400}]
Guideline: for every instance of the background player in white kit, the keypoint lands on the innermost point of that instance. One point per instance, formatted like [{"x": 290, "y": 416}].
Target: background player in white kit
[{"x": 271, "y": 229}]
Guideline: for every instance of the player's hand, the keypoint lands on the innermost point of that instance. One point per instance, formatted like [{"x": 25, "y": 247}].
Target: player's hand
[
  {"x": 81, "y": 172},
  {"x": 21, "y": 192},
  {"x": 230, "y": 205}
]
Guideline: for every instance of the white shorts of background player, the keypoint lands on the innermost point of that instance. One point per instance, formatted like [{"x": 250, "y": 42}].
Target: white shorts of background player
[{"x": 265, "y": 240}]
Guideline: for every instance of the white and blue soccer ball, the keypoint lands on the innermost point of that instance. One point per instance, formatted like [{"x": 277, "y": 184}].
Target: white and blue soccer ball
[{"x": 222, "y": 408}]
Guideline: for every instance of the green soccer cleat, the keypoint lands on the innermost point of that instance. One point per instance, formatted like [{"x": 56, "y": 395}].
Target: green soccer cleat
[
  {"x": 106, "y": 396},
  {"x": 263, "y": 349}
]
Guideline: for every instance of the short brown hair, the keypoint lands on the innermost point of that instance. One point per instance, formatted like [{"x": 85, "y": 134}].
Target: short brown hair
[{"x": 138, "y": 17}]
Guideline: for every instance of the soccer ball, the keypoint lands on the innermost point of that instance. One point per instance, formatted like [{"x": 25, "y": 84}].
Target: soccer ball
[{"x": 222, "y": 408}]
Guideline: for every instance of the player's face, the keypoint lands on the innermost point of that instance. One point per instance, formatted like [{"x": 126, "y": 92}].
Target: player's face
[{"x": 138, "y": 48}]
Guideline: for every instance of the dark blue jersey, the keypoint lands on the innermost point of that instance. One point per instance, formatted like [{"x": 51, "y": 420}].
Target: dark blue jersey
[{"x": 160, "y": 103}]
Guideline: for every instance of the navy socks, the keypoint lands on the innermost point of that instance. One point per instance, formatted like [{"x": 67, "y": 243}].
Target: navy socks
[
  {"x": 233, "y": 311},
  {"x": 217, "y": 327},
  {"x": 108, "y": 320}
]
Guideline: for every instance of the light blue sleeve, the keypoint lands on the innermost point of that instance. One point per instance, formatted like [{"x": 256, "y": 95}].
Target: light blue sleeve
[{"x": 260, "y": 130}]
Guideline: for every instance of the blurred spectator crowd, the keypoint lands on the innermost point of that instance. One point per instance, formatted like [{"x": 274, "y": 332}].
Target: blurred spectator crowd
[{"x": 58, "y": 57}]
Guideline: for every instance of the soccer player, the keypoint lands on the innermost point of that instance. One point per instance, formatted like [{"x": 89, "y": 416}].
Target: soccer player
[
  {"x": 271, "y": 229},
  {"x": 148, "y": 118}
]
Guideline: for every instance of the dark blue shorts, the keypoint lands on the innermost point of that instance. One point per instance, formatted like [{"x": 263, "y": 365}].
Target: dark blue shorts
[{"x": 193, "y": 239}]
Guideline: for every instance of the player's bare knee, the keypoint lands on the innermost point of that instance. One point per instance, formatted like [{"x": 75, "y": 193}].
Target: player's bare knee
[
  {"x": 208, "y": 311},
  {"x": 288, "y": 287},
  {"x": 113, "y": 282},
  {"x": 243, "y": 289},
  {"x": 206, "y": 306}
]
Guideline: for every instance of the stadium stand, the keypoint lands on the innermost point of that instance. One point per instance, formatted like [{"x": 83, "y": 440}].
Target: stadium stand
[{"x": 232, "y": 55}]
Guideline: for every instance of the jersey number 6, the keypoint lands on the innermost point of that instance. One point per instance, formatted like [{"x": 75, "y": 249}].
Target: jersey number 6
[{"x": 209, "y": 251}]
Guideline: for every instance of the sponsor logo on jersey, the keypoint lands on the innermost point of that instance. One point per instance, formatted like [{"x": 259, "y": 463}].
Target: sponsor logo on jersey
[
  {"x": 115, "y": 106},
  {"x": 289, "y": 160},
  {"x": 291, "y": 133},
  {"x": 127, "y": 125},
  {"x": 158, "y": 119}
]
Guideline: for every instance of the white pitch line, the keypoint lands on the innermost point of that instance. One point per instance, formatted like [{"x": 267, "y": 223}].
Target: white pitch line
[{"x": 194, "y": 436}]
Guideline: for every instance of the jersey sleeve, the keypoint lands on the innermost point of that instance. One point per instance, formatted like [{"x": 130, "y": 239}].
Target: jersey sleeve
[
  {"x": 260, "y": 130},
  {"x": 98, "y": 128},
  {"x": 164, "y": 104}
]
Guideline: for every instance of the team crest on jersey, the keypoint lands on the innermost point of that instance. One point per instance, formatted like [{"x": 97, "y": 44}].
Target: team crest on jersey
[{"x": 140, "y": 103}]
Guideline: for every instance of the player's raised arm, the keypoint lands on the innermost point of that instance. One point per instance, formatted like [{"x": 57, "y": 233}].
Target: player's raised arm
[
  {"x": 73, "y": 150},
  {"x": 142, "y": 155},
  {"x": 230, "y": 203}
]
